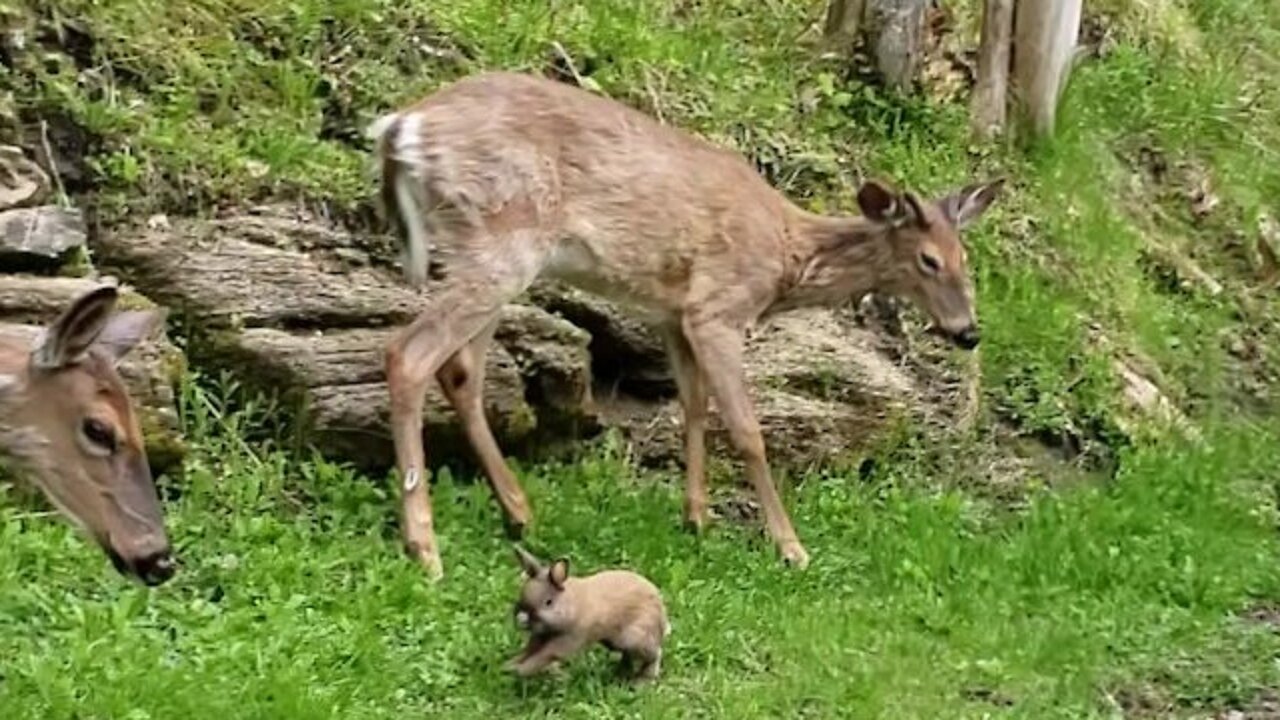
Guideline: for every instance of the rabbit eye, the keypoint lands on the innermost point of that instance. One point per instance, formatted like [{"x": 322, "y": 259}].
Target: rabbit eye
[{"x": 548, "y": 602}]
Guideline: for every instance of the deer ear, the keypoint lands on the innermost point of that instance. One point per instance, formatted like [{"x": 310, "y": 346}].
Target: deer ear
[
  {"x": 125, "y": 330},
  {"x": 527, "y": 561},
  {"x": 878, "y": 202},
  {"x": 559, "y": 573},
  {"x": 967, "y": 205},
  {"x": 70, "y": 336}
]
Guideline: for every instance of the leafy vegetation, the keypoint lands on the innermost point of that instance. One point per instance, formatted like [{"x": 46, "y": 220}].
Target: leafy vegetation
[{"x": 922, "y": 602}]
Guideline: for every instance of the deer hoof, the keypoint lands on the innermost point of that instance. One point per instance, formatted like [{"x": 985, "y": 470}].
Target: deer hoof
[
  {"x": 695, "y": 524},
  {"x": 514, "y": 529},
  {"x": 428, "y": 558},
  {"x": 695, "y": 519},
  {"x": 516, "y": 525},
  {"x": 794, "y": 555}
]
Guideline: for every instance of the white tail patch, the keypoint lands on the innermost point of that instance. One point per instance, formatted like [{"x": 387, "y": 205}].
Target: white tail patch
[
  {"x": 399, "y": 138},
  {"x": 379, "y": 127},
  {"x": 376, "y": 131}
]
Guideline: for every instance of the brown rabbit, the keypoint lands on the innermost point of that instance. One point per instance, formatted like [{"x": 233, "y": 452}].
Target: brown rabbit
[{"x": 563, "y": 615}]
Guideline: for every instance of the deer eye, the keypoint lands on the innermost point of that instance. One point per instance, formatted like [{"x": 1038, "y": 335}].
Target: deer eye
[
  {"x": 930, "y": 264},
  {"x": 99, "y": 435}
]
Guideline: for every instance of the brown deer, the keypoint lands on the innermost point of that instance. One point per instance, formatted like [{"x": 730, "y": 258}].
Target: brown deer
[
  {"x": 67, "y": 422},
  {"x": 511, "y": 177}
]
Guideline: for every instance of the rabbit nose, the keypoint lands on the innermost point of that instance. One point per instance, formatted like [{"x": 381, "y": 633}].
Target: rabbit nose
[{"x": 522, "y": 618}]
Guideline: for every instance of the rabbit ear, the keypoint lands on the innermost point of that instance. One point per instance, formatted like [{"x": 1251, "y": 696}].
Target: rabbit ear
[
  {"x": 527, "y": 561},
  {"x": 559, "y": 573}
]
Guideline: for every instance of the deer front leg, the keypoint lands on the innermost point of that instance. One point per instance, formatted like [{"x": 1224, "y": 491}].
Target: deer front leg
[
  {"x": 693, "y": 403},
  {"x": 407, "y": 389},
  {"x": 552, "y": 651},
  {"x": 413, "y": 357},
  {"x": 462, "y": 379},
  {"x": 718, "y": 348}
]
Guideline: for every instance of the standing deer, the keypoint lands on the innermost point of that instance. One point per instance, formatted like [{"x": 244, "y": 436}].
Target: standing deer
[
  {"x": 512, "y": 177},
  {"x": 67, "y": 422}
]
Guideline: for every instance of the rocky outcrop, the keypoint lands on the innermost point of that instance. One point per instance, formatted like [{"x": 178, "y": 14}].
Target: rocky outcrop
[
  {"x": 302, "y": 309},
  {"x": 821, "y": 390},
  {"x": 34, "y": 236}
]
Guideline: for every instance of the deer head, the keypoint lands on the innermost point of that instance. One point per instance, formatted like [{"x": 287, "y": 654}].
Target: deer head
[
  {"x": 68, "y": 422},
  {"x": 929, "y": 265}
]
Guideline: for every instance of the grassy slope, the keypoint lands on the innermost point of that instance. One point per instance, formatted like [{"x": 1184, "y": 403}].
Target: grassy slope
[{"x": 921, "y": 603}]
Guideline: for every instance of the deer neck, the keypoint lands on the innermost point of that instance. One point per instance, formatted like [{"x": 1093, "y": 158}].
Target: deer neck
[{"x": 835, "y": 259}]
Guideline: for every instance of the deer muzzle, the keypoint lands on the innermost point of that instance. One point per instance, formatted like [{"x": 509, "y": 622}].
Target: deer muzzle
[
  {"x": 968, "y": 338},
  {"x": 150, "y": 561}
]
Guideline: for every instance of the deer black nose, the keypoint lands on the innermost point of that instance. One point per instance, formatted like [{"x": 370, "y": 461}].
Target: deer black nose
[
  {"x": 968, "y": 338},
  {"x": 156, "y": 568}
]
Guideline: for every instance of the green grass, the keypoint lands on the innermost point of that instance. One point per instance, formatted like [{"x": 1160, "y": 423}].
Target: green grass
[
  {"x": 925, "y": 597},
  {"x": 295, "y": 600}
]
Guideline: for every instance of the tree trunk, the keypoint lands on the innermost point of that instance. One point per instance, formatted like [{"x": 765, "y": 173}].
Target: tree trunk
[
  {"x": 895, "y": 35},
  {"x": 990, "y": 94},
  {"x": 892, "y": 30},
  {"x": 844, "y": 17},
  {"x": 1045, "y": 33}
]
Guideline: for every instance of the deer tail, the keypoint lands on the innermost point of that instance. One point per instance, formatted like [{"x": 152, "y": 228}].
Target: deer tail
[{"x": 397, "y": 153}]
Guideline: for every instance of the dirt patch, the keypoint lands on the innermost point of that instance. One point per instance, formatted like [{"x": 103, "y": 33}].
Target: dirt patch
[
  {"x": 1152, "y": 700},
  {"x": 1264, "y": 614},
  {"x": 1266, "y": 706},
  {"x": 1143, "y": 702}
]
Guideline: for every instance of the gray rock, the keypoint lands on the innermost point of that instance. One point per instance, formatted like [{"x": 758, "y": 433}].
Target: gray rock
[{"x": 39, "y": 237}]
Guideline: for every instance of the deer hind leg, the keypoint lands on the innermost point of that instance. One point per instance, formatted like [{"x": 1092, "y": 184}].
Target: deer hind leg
[
  {"x": 466, "y": 304},
  {"x": 462, "y": 380},
  {"x": 719, "y": 348},
  {"x": 693, "y": 402}
]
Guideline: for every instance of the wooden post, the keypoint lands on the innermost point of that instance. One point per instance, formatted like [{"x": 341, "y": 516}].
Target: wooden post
[
  {"x": 1044, "y": 45},
  {"x": 990, "y": 93}
]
